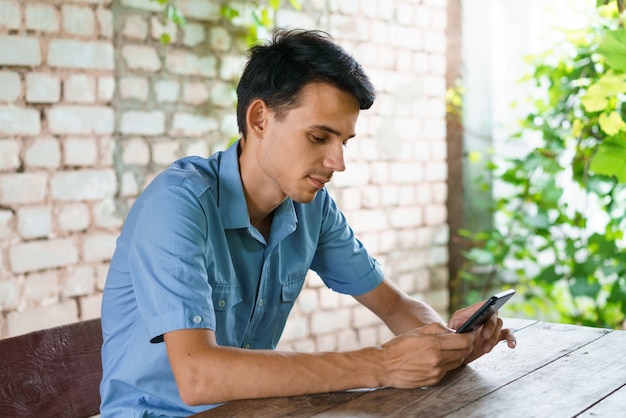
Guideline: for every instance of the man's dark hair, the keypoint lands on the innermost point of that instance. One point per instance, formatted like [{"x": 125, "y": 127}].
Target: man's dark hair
[{"x": 277, "y": 71}]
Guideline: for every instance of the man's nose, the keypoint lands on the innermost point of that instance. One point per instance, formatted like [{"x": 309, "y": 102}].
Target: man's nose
[{"x": 334, "y": 158}]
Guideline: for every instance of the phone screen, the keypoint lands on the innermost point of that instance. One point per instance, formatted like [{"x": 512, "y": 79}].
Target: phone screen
[{"x": 489, "y": 308}]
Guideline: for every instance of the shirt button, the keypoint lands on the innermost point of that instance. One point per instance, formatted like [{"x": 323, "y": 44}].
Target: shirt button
[
  {"x": 261, "y": 302},
  {"x": 247, "y": 346},
  {"x": 197, "y": 319},
  {"x": 221, "y": 303}
]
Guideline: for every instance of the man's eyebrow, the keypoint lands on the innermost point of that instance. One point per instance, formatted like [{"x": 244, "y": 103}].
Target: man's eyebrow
[{"x": 328, "y": 129}]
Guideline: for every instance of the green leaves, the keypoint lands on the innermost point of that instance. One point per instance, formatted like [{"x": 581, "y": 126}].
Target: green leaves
[
  {"x": 613, "y": 48},
  {"x": 610, "y": 159},
  {"x": 558, "y": 233}
]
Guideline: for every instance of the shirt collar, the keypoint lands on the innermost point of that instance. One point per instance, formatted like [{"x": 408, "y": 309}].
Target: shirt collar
[{"x": 232, "y": 201}]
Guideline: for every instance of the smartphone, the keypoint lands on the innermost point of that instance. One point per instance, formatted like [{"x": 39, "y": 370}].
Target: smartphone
[{"x": 489, "y": 308}]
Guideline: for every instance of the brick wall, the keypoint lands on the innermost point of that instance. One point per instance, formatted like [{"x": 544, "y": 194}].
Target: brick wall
[{"x": 92, "y": 107}]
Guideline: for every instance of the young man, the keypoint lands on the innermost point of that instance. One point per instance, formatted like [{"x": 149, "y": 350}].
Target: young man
[{"x": 214, "y": 253}]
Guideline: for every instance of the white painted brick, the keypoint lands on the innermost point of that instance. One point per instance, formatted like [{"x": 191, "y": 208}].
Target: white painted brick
[
  {"x": 129, "y": 185},
  {"x": 9, "y": 154},
  {"x": 134, "y": 88},
  {"x": 107, "y": 146},
  {"x": 105, "y": 214},
  {"x": 223, "y": 95},
  {"x": 39, "y": 255},
  {"x": 405, "y": 13},
  {"x": 34, "y": 222},
  {"x": 329, "y": 300},
  {"x": 80, "y": 120},
  {"x": 199, "y": 148},
  {"x": 186, "y": 124},
  {"x": 231, "y": 67},
  {"x": 195, "y": 93},
  {"x": 347, "y": 340},
  {"x": 201, "y": 10},
  {"x": 106, "y": 88},
  {"x": 19, "y": 120},
  {"x": 440, "y": 192},
  {"x": 73, "y": 217},
  {"x": 406, "y": 217},
  {"x": 326, "y": 342},
  {"x": 355, "y": 175},
  {"x": 141, "y": 57},
  {"x": 79, "y": 88},
  {"x": 9, "y": 294},
  {"x": 135, "y": 27},
  {"x": 330, "y": 321},
  {"x": 42, "y": 17},
  {"x": 42, "y": 88},
  {"x": 368, "y": 220},
  {"x": 406, "y": 172},
  {"x": 10, "y": 15},
  {"x": 135, "y": 151},
  {"x": 158, "y": 29},
  {"x": 144, "y": 5},
  {"x": 63, "y": 313},
  {"x": 435, "y": 41},
  {"x": 148, "y": 123},
  {"x": 22, "y": 188},
  {"x": 165, "y": 152},
  {"x": 435, "y": 214},
  {"x": 98, "y": 247},
  {"x": 166, "y": 90},
  {"x": 79, "y": 280},
  {"x": 69, "y": 53},
  {"x": 80, "y": 152},
  {"x": 11, "y": 86},
  {"x": 20, "y": 50},
  {"x": 105, "y": 22},
  {"x": 83, "y": 185},
  {"x": 186, "y": 63},
  {"x": 194, "y": 34},
  {"x": 78, "y": 20},
  {"x": 371, "y": 197},
  {"x": 296, "y": 328},
  {"x": 368, "y": 337},
  {"x": 90, "y": 307},
  {"x": 43, "y": 152},
  {"x": 101, "y": 273},
  {"x": 307, "y": 301},
  {"x": 42, "y": 287},
  {"x": 220, "y": 38},
  {"x": 436, "y": 171},
  {"x": 6, "y": 225}
]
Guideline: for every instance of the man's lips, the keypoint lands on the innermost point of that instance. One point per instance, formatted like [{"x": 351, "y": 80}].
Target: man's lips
[{"x": 318, "y": 182}]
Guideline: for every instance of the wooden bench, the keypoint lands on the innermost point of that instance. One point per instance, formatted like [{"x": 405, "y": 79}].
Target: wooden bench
[{"x": 52, "y": 372}]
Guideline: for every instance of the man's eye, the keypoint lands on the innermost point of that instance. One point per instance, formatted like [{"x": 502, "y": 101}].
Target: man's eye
[{"x": 317, "y": 139}]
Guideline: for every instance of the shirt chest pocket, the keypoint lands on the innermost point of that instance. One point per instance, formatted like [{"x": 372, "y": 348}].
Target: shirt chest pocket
[
  {"x": 225, "y": 296},
  {"x": 288, "y": 293}
]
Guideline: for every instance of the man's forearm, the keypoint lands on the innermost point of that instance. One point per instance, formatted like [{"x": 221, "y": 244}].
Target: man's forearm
[{"x": 240, "y": 374}]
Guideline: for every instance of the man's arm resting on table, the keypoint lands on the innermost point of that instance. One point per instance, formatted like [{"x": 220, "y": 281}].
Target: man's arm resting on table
[{"x": 207, "y": 373}]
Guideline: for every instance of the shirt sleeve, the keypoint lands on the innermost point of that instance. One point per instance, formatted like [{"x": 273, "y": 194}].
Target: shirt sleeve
[
  {"x": 341, "y": 260},
  {"x": 168, "y": 262}
]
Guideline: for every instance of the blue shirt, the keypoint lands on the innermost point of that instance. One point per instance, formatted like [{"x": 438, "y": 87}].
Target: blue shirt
[{"x": 188, "y": 257}]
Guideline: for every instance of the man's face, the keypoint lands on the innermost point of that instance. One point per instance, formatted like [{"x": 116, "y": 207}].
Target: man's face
[{"x": 300, "y": 152}]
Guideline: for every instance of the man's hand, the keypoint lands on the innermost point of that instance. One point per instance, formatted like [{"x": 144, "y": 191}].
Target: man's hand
[
  {"x": 487, "y": 336},
  {"x": 423, "y": 356}
]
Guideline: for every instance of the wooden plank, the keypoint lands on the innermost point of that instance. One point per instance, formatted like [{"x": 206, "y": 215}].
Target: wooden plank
[
  {"x": 538, "y": 344},
  {"x": 291, "y": 406},
  {"x": 53, "y": 372},
  {"x": 568, "y": 386},
  {"x": 613, "y": 405}
]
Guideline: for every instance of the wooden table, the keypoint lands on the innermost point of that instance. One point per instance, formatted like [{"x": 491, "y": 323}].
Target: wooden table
[{"x": 556, "y": 371}]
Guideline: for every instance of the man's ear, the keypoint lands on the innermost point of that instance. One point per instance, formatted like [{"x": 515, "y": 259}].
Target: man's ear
[{"x": 256, "y": 117}]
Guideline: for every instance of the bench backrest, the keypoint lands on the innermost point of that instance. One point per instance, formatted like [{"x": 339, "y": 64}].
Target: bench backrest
[{"x": 52, "y": 372}]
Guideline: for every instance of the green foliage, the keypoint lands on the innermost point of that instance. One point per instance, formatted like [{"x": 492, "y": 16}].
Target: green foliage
[{"x": 559, "y": 227}]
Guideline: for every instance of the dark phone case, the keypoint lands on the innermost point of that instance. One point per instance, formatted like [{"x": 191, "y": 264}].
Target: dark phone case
[{"x": 489, "y": 308}]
